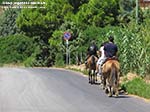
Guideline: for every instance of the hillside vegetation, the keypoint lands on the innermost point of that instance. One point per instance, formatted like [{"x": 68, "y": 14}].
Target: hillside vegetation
[{"x": 34, "y": 37}]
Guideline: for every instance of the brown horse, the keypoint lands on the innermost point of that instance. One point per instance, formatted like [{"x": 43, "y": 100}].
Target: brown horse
[
  {"x": 91, "y": 65},
  {"x": 110, "y": 74}
]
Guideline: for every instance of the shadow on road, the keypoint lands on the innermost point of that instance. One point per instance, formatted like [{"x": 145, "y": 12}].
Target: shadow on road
[{"x": 123, "y": 96}]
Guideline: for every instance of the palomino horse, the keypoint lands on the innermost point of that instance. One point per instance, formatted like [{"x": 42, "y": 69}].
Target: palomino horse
[
  {"x": 110, "y": 74},
  {"x": 91, "y": 65}
]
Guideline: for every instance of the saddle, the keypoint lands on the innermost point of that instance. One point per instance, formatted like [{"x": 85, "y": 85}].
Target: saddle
[{"x": 112, "y": 58}]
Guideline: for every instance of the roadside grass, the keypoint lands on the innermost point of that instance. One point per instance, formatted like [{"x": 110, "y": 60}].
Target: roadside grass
[
  {"x": 12, "y": 65},
  {"x": 85, "y": 72},
  {"x": 1, "y": 65},
  {"x": 138, "y": 87}
]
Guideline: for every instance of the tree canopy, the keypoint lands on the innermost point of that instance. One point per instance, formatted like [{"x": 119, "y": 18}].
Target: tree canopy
[{"x": 86, "y": 20}]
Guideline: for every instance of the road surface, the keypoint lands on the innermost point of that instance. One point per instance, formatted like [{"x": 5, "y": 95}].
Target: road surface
[{"x": 57, "y": 90}]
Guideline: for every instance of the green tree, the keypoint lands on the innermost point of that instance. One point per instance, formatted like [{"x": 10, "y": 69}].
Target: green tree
[
  {"x": 15, "y": 49},
  {"x": 76, "y": 4},
  {"x": 41, "y": 23},
  {"x": 99, "y": 13},
  {"x": 8, "y": 22},
  {"x": 128, "y": 12}
]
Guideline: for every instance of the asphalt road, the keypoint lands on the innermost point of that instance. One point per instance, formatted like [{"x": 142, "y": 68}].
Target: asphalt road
[{"x": 55, "y": 90}]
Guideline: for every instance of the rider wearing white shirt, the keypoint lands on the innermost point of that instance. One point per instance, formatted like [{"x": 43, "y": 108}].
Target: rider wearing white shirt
[
  {"x": 108, "y": 50},
  {"x": 102, "y": 59}
]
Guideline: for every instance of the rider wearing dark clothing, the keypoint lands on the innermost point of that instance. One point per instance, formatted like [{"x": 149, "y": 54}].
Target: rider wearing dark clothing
[
  {"x": 110, "y": 48},
  {"x": 92, "y": 50},
  {"x": 109, "y": 52}
]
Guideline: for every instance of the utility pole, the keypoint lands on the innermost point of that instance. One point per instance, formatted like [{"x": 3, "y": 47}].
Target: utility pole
[{"x": 137, "y": 5}]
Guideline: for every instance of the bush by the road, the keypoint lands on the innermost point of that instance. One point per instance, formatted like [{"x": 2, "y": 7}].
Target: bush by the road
[
  {"x": 138, "y": 87},
  {"x": 15, "y": 49}
]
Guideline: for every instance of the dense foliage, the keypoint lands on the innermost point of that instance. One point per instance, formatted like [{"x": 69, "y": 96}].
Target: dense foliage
[
  {"x": 8, "y": 23},
  {"x": 86, "y": 20},
  {"x": 15, "y": 49}
]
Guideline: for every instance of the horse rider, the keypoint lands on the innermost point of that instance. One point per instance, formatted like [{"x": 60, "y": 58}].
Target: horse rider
[
  {"x": 92, "y": 50},
  {"x": 101, "y": 59},
  {"x": 108, "y": 51}
]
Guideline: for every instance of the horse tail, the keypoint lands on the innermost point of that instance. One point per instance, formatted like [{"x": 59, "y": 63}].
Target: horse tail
[
  {"x": 93, "y": 60},
  {"x": 113, "y": 75}
]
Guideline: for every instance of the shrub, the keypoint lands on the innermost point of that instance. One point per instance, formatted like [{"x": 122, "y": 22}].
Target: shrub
[
  {"x": 8, "y": 22},
  {"x": 138, "y": 87},
  {"x": 15, "y": 49},
  {"x": 59, "y": 61}
]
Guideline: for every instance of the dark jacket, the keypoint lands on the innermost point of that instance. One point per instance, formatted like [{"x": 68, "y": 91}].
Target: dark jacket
[
  {"x": 110, "y": 50},
  {"x": 92, "y": 50}
]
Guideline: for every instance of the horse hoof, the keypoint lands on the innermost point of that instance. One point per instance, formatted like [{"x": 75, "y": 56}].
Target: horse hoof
[
  {"x": 109, "y": 95},
  {"x": 106, "y": 91},
  {"x": 103, "y": 87},
  {"x": 92, "y": 82},
  {"x": 116, "y": 95}
]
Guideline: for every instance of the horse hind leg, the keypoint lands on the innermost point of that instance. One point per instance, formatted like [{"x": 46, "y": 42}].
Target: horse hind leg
[
  {"x": 110, "y": 89},
  {"x": 95, "y": 76},
  {"x": 116, "y": 92},
  {"x": 116, "y": 89},
  {"x": 92, "y": 77},
  {"x": 115, "y": 85},
  {"x": 89, "y": 76},
  {"x": 103, "y": 81}
]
